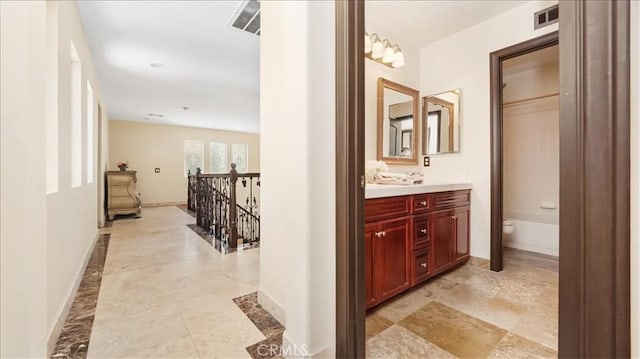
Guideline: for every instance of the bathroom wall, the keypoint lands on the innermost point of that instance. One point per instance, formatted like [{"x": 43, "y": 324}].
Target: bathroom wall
[
  {"x": 466, "y": 66},
  {"x": 532, "y": 157}
]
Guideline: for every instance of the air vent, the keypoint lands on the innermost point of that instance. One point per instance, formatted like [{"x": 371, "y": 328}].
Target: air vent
[
  {"x": 545, "y": 17},
  {"x": 247, "y": 17}
]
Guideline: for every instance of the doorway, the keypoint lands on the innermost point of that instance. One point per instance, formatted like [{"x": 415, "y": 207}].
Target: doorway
[
  {"x": 595, "y": 95},
  {"x": 497, "y": 59}
]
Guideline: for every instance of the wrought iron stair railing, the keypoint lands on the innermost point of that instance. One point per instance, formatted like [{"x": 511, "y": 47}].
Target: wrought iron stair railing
[{"x": 226, "y": 205}]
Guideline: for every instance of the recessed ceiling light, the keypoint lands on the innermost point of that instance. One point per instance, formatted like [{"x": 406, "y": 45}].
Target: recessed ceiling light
[
  {"x": 157, "y": 65},
  {"x": 185, "y": 108}
]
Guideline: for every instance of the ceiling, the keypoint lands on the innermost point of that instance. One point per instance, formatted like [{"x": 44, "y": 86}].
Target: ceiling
[
  {"x": 204, "y": 64},
  {"x": 212, "y": 68},
  {"x": 419, "y": 23},
  {"x": 533, "y": 60}
]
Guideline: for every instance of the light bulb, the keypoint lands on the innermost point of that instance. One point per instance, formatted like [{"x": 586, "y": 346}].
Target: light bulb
[
  {"x": 377, "y": 48},
  {"x": 367, "y": 43},
  {"x": 388, "y": 55},
  {"x": 398, "y": 59}
]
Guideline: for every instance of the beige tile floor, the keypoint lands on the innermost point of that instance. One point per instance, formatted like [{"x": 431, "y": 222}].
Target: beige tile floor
[
  {"x": 472, "y": 312},
  {"x": 167, "y": 293}
]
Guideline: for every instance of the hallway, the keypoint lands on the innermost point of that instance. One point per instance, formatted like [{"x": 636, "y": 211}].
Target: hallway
[{"x": 166, "y": 293}]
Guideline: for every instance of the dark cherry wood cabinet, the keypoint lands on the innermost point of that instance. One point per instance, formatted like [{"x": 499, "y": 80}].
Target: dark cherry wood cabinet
[
  {"x": 392, "y": 266},
  {"x": 369, "y": 230},
  {"x": 442, "y": 237},
  {"x": 409, "y": 239},
  {"x": 461, "y": 234}
]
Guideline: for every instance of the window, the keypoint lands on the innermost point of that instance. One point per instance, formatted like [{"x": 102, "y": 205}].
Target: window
[
  {"x": 90, "y": 119},
  {"x": 193, "y": 156},
  {"x": 76, "y": 118},
  {"x": 218, "y": 152},
  {"x": 240, "y": 156}
]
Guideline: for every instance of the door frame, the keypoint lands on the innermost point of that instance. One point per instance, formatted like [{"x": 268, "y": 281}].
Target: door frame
[
  {"x": 495, "y": 64},
  {"x": 594, "y": 305},
  {"x": 350, "y": 289}
]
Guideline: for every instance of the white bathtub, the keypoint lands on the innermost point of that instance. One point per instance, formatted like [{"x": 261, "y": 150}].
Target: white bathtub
[{"x": 534, "y": 237}]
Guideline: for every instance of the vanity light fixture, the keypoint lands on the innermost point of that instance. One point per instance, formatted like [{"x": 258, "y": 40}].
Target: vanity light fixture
[{"x": 383, "y": 51}]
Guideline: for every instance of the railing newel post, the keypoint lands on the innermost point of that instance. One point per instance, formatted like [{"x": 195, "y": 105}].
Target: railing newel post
[{"x": 233, "y": 213}]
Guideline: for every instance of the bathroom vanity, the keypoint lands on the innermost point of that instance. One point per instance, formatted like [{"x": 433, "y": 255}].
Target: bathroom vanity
[{"x": 413, "y": 233}]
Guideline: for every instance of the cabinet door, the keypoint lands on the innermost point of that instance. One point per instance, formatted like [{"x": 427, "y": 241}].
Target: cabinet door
[
  {"x": 461, "y": 233},
  {"x": 392, "y": 269},
  {"x": 369, "y": 231},
  {"x": 442, "y": 239}
]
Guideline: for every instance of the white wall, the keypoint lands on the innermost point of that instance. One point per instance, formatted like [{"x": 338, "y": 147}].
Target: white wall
[
  {"x": 23, "y": 292},
  {"x": 467, "y": 67},
  {"x": 148, "y": 146},
  {"x": 297, "y": 249},
  {"x": 45, "y": 237},
  {"x": 635, "y": 178},
  {"x": 72, "y": 213}
]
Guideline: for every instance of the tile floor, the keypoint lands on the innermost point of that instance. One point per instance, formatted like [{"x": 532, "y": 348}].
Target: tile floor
[
  {"x": 166, "y": 293},
  {"x": 472, "y": 312}
]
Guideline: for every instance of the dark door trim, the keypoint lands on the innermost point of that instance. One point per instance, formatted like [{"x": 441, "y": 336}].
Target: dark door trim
[
  {"x": 495, "y": 60},
  {"x": 350, "y": 291},
  {"x": 594, "y": 179}
]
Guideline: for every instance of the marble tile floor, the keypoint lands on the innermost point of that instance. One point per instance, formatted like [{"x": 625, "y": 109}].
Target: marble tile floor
[
  {"x": 167, "y": 294},
  {"x": 472, "y": 312}
]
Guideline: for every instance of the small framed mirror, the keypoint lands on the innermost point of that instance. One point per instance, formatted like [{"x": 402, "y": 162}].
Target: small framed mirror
[
  {"x": 397, "y": 123},
  {"x": 441, "y": 123}
]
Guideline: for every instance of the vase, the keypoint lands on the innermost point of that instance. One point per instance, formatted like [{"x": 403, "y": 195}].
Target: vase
[{"x": 122, "y": 168}]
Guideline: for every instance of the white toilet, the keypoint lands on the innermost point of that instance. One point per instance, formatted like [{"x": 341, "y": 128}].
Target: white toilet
[{"x": 507, "y": 226}]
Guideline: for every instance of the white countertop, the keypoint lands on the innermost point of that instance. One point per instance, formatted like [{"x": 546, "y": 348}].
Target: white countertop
[{"x": 383, "y": 190}]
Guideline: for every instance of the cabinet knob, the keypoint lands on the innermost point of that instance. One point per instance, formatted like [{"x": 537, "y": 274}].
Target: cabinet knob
[
  {"x": 423, "y": 265},
  {"x": 384, "y": 234},
  {"x": 423, "y": 231},
  {"x": 423, "y": 203},
  {"x": 454, "y": 217}
]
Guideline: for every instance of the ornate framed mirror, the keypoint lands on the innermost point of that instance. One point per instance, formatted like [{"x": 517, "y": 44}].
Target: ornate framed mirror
[{"x": 398, "y": 123}]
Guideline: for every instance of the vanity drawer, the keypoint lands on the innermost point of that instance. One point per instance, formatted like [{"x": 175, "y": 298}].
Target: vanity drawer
[
  {"x": 420, "y": 266},
  {"x": 445, "y": 200},
  {"x": 421, "y": 203},
  {"x": 421, "y": 231},
  {"x": 389, "y": 207}
]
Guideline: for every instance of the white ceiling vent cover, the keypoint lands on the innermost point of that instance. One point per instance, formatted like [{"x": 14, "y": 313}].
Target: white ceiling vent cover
[{"x": 247, "y": 17}]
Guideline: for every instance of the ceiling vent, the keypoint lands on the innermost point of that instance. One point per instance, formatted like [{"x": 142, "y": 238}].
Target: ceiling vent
[
  {"x": 247, "y": 17},
  {"x": 545, "y": 17}
]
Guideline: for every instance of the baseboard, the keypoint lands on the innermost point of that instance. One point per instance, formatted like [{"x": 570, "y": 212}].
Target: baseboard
[
  {"x": 163, "y": 204},
  {"x": 272, "y": 307},
  {"x": 57, "y": 328}
]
